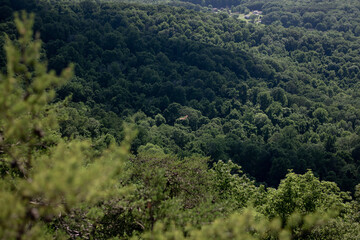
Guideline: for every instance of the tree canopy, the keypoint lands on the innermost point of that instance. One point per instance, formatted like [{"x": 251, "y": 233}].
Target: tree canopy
[{"x": 179, "y": 120}]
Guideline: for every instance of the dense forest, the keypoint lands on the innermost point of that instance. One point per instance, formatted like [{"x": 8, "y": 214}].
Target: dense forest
[{"x": 179, "y": 119}]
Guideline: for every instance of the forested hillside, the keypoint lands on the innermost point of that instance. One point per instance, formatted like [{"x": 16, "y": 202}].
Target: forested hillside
[{"x": 220, "y": 109}]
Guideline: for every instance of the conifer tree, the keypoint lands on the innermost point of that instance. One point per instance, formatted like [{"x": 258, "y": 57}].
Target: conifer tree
[{"x": 42, "y": 176}]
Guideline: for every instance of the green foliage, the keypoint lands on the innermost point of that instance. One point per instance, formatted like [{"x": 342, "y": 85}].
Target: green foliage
[
  {"x": 171, "y": 61},
  {"x": 300, "y": 209},
  {"x": 43, "y": 177},
  {"x": 234, "y": 187},
  {"x": 304, "y": 194},
  {"x": 321, "y": 114},
  {"x": 248, "y": 225},
  {"x": 26, "y": 88},
  {"x": 269, "y": 97}
]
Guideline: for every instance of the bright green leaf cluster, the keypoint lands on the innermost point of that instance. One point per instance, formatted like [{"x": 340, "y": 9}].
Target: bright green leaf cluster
[{"x": 42, "y": 177}]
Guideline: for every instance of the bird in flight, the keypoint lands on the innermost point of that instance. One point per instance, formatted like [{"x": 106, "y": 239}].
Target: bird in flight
[{"x": 183, "y": 118}]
